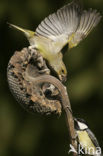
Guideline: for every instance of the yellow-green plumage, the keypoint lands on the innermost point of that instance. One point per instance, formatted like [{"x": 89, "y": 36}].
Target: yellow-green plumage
[
  {"x": 86, "y": 142},
  {"x": 69, "y": 25}
]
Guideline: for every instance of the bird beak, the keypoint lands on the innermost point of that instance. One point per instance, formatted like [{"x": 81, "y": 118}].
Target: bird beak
[{"x": 62, "y": 78}]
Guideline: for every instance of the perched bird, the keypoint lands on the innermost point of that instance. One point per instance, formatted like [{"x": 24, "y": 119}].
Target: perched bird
[
  {"x": 86, "y": 138},
  {"x": 69, "y": 25}
]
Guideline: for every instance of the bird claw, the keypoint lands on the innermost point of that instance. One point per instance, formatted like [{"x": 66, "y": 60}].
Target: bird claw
[
  {"x": 32, "y": 50},
  {"x": 40, "y": 61},
  {"x": 31, "y": 47},
  {"x": 75, "y": 138}
]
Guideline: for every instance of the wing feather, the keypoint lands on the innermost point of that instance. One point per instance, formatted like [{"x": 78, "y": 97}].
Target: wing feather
[
  {"x": 64, "y": 22},
  {"x": 49, "y": 22},
  {"x": 54, "y": 21},
  {"x": 93, "y": 138},
  {"x": 89, "y": 20}
]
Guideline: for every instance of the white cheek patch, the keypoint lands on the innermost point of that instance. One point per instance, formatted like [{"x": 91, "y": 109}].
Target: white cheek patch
[{"x": 82, "y": 126}]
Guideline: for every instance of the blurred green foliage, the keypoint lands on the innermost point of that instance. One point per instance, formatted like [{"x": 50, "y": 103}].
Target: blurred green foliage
[{"x": 24, "y": 134}]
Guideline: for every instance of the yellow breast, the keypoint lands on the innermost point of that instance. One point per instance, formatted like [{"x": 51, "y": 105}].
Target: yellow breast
[{"x": 86, "y": 142}]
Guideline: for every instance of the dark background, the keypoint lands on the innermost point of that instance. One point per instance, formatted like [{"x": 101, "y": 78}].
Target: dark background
[{"x": 24, "y": 134}]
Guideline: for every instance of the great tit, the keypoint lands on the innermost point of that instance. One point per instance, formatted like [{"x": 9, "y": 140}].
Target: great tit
[{"x": 86, "y": 138}]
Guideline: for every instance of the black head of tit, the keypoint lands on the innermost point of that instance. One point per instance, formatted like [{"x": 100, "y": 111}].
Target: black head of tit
[
  {"x": 80, "y": 124},
  {"x": 86, "y": 138}
]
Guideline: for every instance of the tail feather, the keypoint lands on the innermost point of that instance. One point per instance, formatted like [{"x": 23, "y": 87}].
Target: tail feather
[{"x": 28, "y": 33}]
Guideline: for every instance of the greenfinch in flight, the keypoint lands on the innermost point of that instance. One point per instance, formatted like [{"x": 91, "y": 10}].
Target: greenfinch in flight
[{"x": 69, "y": 25}]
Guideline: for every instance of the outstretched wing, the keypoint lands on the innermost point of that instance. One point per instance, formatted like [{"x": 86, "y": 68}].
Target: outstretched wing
[
  {"x": 89, "y": 19},
  {"x": 59, "y": 26}
]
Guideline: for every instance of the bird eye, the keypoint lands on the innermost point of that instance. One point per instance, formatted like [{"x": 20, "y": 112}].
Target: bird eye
[{"x": 62, "y": 71}]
